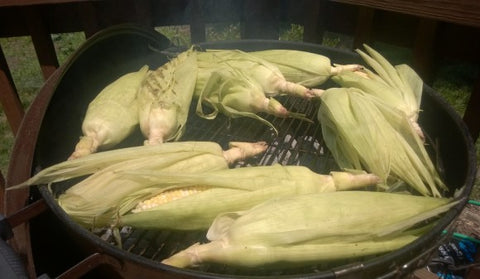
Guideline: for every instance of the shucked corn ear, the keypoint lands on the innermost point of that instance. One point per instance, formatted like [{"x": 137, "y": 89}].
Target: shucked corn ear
[
  {"x": 363, "y": 132},
  {"x": 112, "y": 115},
  {"x": 98, "y": 161},
  {"x": 234, "y": 93},
  {"x": 214, "y": 192},
  {"x": 96, "y": 200},
  {"x": 400, "y": 86},
  {"x": 310, "y": 228},
  {"x": 266, "y": 74},
  {"x": 303, "y": 67},
  {"x": 165, "y": 96}
]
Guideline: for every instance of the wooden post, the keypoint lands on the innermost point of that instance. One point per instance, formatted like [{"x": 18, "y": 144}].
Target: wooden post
[
  {"x": 260, "y": 19},
  {"x": 88, "y": 15},
  {"x": 143, "y": 11},
  {"x": 471, "y": 116},
  {"x": 363, "y": 32},
  {"x": 314, "y": 24},
  {"x": 197, "y": 23},
  {"x": 423, "y": 48},
  {"x": 11, "y": 103},
  {"x": 42, "y": 41}
]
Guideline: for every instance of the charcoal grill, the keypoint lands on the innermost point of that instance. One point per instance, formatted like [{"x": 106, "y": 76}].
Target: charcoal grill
[{"x": 52, "y": 127}]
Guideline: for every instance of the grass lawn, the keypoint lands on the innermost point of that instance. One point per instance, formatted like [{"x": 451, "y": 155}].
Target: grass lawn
[{"x": 452, "y": 81}]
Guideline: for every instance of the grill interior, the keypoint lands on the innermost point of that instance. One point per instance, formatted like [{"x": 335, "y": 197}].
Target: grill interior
[{"x": 298, "y": 142}]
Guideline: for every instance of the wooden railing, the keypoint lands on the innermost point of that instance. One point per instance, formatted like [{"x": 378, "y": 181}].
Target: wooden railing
[{"x": 431, "y": 29}]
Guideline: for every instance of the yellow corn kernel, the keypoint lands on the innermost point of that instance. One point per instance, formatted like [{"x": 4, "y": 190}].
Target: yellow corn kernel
[{"x": 168, "y": 196}]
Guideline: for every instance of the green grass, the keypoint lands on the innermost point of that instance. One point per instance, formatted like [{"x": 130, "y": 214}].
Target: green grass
[
  {"x": 25, "y": 72},
  {"x": 453, "y": 81},
  {"x": 28, "y": 78}
]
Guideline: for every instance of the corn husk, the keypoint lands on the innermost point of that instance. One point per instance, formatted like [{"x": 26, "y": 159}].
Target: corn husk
[
  {"x": 363, "y": 132},
  {"x": 96, "y": 200},
  {"x": 96, "y": 162},
  {"x": 309, "y": 228},
  {"x": 164, "y": 99},
  {"x": 229, "y": 190},
  {"x": 399, "y": 86},
  {"x": 281, "y": 257},
  {"x": 235, "y": 93},
  {"x": 303, "y": 67},
  {"x": 266, "y": 74},
  {"x": 112, "y": 115}
]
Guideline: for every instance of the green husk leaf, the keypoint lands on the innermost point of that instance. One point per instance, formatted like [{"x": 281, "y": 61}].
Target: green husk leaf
[
  {"x": 228, "y": 190},
  {"x": 234, "y": 93},
  {"x": 165, "y": 97},
  {"x": 302, "y": 229},
  {"x": 355, "y": 123},
  {"x": 97, "y": 161}
]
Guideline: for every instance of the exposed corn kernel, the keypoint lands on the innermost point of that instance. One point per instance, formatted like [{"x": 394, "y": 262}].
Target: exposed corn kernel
[{"x": 168, "y": 196}]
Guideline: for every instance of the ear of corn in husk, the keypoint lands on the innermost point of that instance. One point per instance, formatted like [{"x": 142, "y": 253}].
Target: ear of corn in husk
[
  {"x": 98, "y": 161},
  {"x": 303, "y": 67},
  {"x": 215, "y": 192},
  {"x": 400, "y": 86},
  {"x": 164, "y": 98},
  {"x": 312, "y": 228},
  {"x": 234, "y": 93},
  {"x": 254, "y": 256},
  {"x": 266, "y": 74},
  {"x": 363, "y": 132},
  {"x": 112, "y": 115},
  {"x": 96, "y": 200}
]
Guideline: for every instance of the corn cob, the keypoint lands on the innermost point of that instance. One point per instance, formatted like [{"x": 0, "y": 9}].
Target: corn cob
[
  {"x": 266, "y": 74},
  {"x": 355, "y": 123},
  {"x": 112, "y": 115},
  {"x": 164, "y": 98},
  {"x": 303, "y": 67},
  {"x": 96, "y": 200},
  {"x": 234, "y": 93},
  {"x": 314, "y": 227},
  {"x": 225, "y": 190}
]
